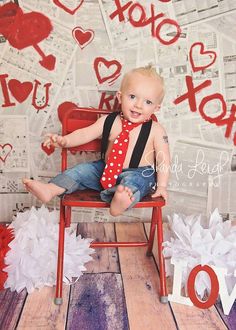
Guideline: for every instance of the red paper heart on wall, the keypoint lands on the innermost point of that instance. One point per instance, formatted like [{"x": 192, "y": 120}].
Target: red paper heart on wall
[
  {"x": 26, "y": 29},
  {"x": 23, "y": 29},
  {"x": 199, "y": 48},
  {"x": 83, "y": 37},
  {"x": 63, "y": 4},
  {"x": 20, "y": 90},
  {"x": 113, "y": 66},
  {"x": 47, "y": 150},
  {"x": 64, "y": 108},
  {"x": 5, "y": 150}
]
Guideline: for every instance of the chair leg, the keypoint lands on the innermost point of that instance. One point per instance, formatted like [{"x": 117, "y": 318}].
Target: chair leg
[
  {"x": 152, "y": 232},
  {"x": 163, "y": 288},
  {"x": 68, "y": 217},
  {"x": 60, "y": 257}
]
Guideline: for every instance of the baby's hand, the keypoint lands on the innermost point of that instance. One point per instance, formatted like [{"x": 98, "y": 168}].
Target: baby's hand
[
  {"x": 55, "y": 140},
  {"x": 161, "y": 191}
]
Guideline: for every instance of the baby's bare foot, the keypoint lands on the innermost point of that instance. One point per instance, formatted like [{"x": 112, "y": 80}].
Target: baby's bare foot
[
  {"x": 121, "y": 201},
  {"x": 43, "y": 191}
]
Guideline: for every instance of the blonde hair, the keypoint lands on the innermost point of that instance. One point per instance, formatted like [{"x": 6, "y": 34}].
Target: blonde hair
[{"x": 147, "y": 70}]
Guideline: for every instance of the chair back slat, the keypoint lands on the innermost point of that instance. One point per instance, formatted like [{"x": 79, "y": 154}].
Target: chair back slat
[{"x": 79, "y": 118}]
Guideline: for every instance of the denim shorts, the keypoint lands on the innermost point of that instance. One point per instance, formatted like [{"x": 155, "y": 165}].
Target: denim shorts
[{"x": 141, "y": 180}]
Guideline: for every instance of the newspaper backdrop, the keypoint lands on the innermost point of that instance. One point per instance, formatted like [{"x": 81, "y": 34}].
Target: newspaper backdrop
[{"x": 91, "y": 45}]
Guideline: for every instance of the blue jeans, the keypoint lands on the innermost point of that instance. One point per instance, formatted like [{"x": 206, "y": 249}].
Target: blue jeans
[{"x": 140, "y": 180}]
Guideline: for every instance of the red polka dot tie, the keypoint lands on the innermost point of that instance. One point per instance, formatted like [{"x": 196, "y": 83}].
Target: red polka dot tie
[{"x": 117, "y": 155}]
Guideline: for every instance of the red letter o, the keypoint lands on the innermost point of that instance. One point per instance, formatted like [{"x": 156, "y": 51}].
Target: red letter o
[
  {"x": 214, "y": 286},
  {"x": 170, "y": 22},
  {"x": 141, "y": 18},
  {"x": 206, "y": 99}
]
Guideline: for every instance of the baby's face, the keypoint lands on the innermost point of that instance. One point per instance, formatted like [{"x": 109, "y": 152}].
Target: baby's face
[{"x": 140, "y": 97}]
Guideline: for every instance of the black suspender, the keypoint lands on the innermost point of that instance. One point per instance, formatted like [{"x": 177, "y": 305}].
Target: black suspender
[
  {"x": 140, "y": 143},
  {"x": 106, "y": 132}
]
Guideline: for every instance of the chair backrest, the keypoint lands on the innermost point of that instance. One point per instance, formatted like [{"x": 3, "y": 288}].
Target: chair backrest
[{"x": 75, "y": 118}]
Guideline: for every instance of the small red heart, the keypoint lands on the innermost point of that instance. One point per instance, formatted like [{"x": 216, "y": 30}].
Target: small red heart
[
  {"x": 20, "y": 91},
  {"x": 48, "y": 62},
  {"x": 65, "y": 7},
  {"x": 83, "y": 37},
  {"x": 108, "y": 64},
  {"x": 211, "y": 56},
  {"x": 5, "y": 150},
  {"x": 49, "y": 150}
]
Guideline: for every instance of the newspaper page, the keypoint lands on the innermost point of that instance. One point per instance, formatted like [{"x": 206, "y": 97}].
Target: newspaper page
[
  {"x": 14, "y": 164},
  {"x": 229, "y": 65},
  {"x": 222, "y": 194},
  {"x": 14, "y": 145},
  {"x": 172, "y": 66},
  {"x": 194, "y": 11},
  {"x": 175, "y": 74},
  {"x": 180, "y": 202},
  {"x": 193, "y": 162},
  {"x": 213, "y": 134},
  {"x": 97, "y": 78},
  {"x": 183, "y": 127},
  {"x": 225, "y": 25},
  {"x": 12, "y": 203},
  {"x": 214, "y": 71},
  {"x": 21, "y": 94},
  {"x": 120, "y": 35},
  {"x": 32, "y": 90}
]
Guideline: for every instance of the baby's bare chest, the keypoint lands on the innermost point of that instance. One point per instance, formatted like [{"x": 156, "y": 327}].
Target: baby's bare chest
[{"x": 147, "y": 157}]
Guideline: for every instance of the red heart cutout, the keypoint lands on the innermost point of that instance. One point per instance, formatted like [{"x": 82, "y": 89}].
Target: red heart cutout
[
  {"x": 83, "y": 37},
  {"x": 7, "y": 148},
  {"x": 211, "y": 54},
  {"x": 72, "y": 11},
  {"x": 20, "y": 90},
  {"x": 23, "y": 30},
  {"x": 64, "y": 108},
  {"x": 49, "y": 150},
  {"x": 48, "y": 62},
  {"x": 97, "y": 65}
]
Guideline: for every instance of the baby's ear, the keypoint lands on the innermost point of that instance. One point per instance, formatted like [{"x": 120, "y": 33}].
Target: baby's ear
[{"x": 118, "y": 95}]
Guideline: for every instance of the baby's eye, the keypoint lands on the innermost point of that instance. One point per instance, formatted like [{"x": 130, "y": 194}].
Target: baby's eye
[
  {"x": 132, "y": 96},
  {"x": 148, "y": 102}
]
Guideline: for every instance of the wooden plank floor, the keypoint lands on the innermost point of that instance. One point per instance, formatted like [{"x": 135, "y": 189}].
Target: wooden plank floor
[{"x": 119, "y": 291}]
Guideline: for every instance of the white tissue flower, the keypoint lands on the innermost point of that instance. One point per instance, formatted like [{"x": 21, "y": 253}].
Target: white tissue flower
[
  {"x": 32, "y": 260},
  {"x": 190, "y": 241}
]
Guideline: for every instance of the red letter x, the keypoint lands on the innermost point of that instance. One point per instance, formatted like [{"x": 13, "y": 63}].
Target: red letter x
[
  {"x": 190, "y": 95},
  {"x": 120, "y": 10}
]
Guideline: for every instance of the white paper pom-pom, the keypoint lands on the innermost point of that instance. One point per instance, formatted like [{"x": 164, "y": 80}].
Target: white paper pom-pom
[
  {"x": 188, "y": 240},
  {"x": 32, "y": 260}
]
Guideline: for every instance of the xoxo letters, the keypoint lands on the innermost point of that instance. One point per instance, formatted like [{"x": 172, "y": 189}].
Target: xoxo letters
[
  {"x": 136, "y": 9},
  {"x": 219, "y": 120}
]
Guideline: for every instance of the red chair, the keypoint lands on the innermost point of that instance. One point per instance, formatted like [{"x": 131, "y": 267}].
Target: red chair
[{"x": 73, "y": 118}]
